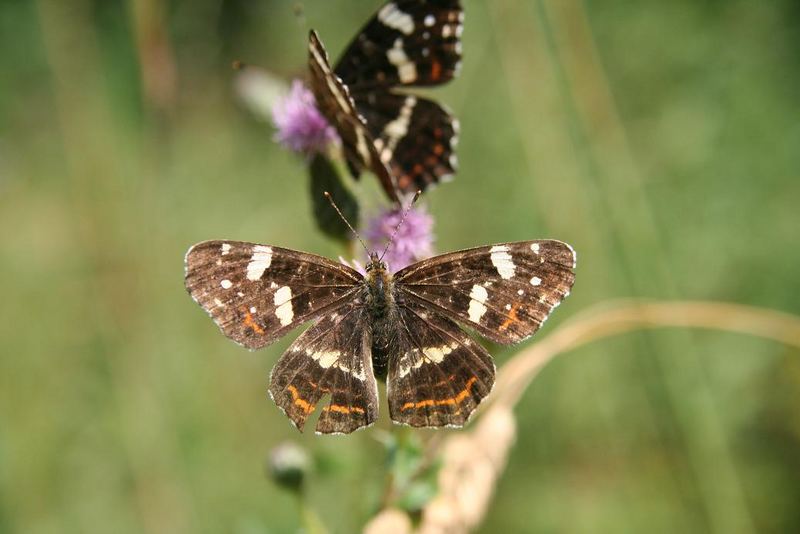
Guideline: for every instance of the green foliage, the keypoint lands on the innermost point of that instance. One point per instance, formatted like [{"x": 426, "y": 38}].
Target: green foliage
[{"x": 412, "y": 473}]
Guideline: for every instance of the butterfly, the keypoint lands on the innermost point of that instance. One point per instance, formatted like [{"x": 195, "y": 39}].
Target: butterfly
[
  {"x": 407, "y": 141},
  {"x": 403, "y": 327}
]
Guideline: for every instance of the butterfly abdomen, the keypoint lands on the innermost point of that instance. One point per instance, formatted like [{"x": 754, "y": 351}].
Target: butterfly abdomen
[{"x": 382, "y": 308}]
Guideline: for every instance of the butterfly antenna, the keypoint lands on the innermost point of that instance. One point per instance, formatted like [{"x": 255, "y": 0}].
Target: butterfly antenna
[
  {"x": 402, "y": 220},
  {"x": 330, "y": 199}
]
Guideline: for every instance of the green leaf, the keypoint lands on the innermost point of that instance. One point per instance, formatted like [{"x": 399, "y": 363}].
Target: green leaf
[{"x": 326, "y": 177}]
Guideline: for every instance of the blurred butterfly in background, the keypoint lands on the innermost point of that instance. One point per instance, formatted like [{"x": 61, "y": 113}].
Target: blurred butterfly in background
[{"x": 407, "y": 141}]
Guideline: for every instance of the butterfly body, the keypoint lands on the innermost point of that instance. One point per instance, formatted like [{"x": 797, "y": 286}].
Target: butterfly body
[
  {"x": 401, "y": 326},
  {"x": 380, "y": 301}
]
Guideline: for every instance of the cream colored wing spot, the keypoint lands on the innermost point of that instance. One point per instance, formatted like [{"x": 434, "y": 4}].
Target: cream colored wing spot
[
  {"x": 478, "y": 297},
  {"x": 283, "y": 305}
]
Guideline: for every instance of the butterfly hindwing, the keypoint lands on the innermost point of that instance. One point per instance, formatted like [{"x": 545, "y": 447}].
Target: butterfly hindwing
[
  {"x": 337, "y": 106},
  {"x": 439, "y": 374},
  {"x": 407, "y": 42},
  {"x": 257, "y": 293},
  {"x": 331, "y": 358},
  {"x": 415, "y": 137},
  {"x": 504, "y": 292}
]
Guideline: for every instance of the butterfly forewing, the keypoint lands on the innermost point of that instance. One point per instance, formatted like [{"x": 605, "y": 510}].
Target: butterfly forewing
[
  {"x": 407, "y": 42},
  {"x": 440, "y": 374},
  {"x": 257, "y": 293},
  {"x": 336, "y": 105},
  {"x": 332, "y": 358},
  {"x": 504, "y": 292}
]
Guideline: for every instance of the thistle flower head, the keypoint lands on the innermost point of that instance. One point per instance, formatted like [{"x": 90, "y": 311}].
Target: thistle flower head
[
  {"x": 301, "y": 127},
  {"x": 413, "y": 241}
]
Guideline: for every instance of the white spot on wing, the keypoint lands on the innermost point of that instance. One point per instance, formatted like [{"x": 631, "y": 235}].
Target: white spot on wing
[
  {"x": 434, "y": 355},
  {"x": 396, "y": 19},
  {"x": 283, "y": 305},
  {"x": 535, "y": 248},
  {"x": 252, "y": 309},
  {"x": 502, "y": 261},
  {"x": 536, "y": 281},
  {"x": 406, "y": 69},
  {"x": 326, "y": 358},
  {"x": 437, "y": 354},
  {"x": 430, "y": 20},
  {"x": 476, "y": 305},
  {"x": 226, "y": 248},
  {"x": 259, "y": 262},
  {"x": 333, "y": 358},
  {"x": 395, "y": 130},
  {"x": 226, "y": 284}
]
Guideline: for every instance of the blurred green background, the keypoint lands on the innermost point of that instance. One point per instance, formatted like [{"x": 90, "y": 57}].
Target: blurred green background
[{"x": 661, "y": 139}]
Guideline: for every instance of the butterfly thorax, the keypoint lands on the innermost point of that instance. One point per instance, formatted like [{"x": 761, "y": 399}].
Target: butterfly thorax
[{"x": 379, "y": 297}]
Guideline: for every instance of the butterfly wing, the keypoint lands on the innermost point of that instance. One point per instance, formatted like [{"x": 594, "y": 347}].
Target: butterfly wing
[
  {"x": 257, "y": 293},
  {"x": 331, "y": 358},
  {"x": 505, "y": 292},
  {"x": 439, "y": 374},
  {"x": 407, "y": 42},
  {"x": 414, "y": 136},
  {"x": 336, "y": 105}
]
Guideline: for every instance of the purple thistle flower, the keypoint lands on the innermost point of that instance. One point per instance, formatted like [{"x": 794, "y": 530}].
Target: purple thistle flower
[
  {"x": 301, "y": 127},
  {"x": 414, "y": 239}
]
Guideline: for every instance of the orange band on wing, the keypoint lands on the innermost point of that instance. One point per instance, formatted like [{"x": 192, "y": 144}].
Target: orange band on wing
[
  {"x": 342, "y": 409},
  {"x": 463, "y": 394},
  {"x": 303, "y": 404}
]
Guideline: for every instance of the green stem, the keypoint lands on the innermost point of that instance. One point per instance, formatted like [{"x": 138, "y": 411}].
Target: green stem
[{"x": 309, "y": 518}]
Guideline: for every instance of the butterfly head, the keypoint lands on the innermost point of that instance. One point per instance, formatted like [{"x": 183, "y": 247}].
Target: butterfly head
[{"x": 375, "y": 263}]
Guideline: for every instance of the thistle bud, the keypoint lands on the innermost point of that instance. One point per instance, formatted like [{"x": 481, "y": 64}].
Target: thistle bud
[{"x": 288, "y": 465}]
